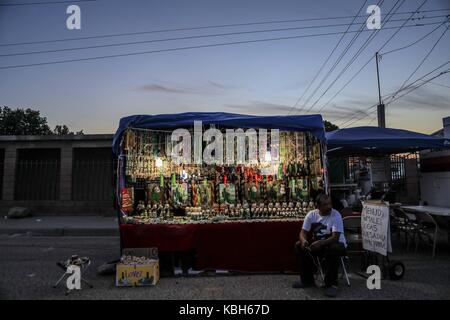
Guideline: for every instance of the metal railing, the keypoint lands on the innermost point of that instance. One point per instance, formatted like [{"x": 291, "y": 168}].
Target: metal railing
[
  {"x": 92, "y": 180},
  {"x": 398, "y": 171},
  {"x": 37, "y": 180}
]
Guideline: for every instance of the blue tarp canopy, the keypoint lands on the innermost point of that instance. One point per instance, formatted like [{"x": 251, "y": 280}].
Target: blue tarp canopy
[
  {"x": 309, "y": 123},
  {"x": 375, "y": 140}
]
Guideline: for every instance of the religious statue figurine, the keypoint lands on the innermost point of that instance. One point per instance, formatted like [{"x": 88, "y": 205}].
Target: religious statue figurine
[
  {"x": 253, "y": 192},
  {"x": 282, "y": 189},
  {"x": 140, "y": 207}
]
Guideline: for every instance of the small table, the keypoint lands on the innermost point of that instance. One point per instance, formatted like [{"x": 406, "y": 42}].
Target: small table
[
  {"x": 432, "y": 210},
  {"x": 437, "y": 211}
]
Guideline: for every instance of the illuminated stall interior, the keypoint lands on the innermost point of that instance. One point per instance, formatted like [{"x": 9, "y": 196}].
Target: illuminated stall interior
[{"x": 155, "y": 187}]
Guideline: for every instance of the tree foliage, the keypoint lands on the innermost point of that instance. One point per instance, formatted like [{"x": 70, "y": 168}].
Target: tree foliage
[
  {"x": 28, "y": 122},
  {"x": 329, "y": 126}
]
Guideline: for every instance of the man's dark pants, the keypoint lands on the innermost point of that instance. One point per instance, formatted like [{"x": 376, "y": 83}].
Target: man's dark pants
[{"x": 331, "y": 255}]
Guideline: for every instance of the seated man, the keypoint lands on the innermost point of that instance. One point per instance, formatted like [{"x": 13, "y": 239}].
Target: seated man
[{"x": 322, "y": 235}]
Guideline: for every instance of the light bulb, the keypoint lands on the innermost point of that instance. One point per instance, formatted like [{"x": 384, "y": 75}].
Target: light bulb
[{"x": 158, "y": 162}]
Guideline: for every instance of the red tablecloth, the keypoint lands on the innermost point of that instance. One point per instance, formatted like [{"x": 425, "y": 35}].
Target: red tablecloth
[{"x": 252, "y": 246}]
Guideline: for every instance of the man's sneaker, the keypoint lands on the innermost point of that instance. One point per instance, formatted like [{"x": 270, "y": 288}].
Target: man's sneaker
[
  {"x": 331, "y": 291},
  {"x": 301, "y": 285}
]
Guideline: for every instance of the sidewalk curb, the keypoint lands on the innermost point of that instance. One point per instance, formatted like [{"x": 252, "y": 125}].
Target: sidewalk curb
[{"x": 62, "y": 232}]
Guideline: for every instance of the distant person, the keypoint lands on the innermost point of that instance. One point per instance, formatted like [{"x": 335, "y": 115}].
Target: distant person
[
  {"x": 322, "y": 236},
  {"x": 364, "y": 177}
]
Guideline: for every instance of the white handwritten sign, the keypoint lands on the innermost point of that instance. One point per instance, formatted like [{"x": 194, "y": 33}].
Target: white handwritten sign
[{"x": 375, "y": 228}]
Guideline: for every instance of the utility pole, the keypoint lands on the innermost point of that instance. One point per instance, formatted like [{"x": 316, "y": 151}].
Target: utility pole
[
  {"x": 380, "y": 107},
  {"x": 382, "y": 122}
]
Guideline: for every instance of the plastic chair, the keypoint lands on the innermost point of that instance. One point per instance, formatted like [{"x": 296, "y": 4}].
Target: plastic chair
[
  {"x": 406, "y": 223},
  {"x": 347, "y": 212},
  {"x": 353, "y": 236},
  {"x": 427, "y": 226},
  {"x": 344, "y": 268},
  {"x": 352, "y": 231}
]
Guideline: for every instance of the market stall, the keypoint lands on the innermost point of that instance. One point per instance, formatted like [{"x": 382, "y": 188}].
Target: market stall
[
  {"x": 372, "y": 141},
  {"x": 232, "y": 188},
  {"x": 362, "y": 158}
]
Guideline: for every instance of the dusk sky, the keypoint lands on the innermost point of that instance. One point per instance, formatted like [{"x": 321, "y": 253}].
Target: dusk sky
[{"x": 258, "y": 78}]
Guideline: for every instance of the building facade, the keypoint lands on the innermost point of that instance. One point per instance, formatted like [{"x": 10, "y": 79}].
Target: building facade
[
  {"x": 58, "y": 175},
  {"x": 435, "y": 172}
]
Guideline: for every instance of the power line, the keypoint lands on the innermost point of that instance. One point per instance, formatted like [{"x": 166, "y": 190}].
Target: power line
[
  {"x": 356, "y": 55},
  {"x": 338, "y": 60},
  {"x": 355, "y": 76},
  {"x": 408, "y": 92},
  {"x": 372, "y": 120},
  {"x": 413, "y": 43},
  {"x": 175, "y": 39},
  {"x": 207, "y": 27},
  {"x": 424, "y": 58},
  {"x": 418, "y": 86},
  {"x": 390, "y": 95},
  {"x": 409, "y": 86},
  {"x": 326, "y": 61},
  {"x": 180, "y": 38},
  {"x": 364, "y": 112},
  {"x": 420, "y": 78},
  {"x": 369, "y": 60},
  {"x": 43, "y": 2},
  {"x": 345, "y": 85},
  {"x": 439, "y": 84},
  {"x": 348, "y": 125},
  {"x": 194, "y": 47}
]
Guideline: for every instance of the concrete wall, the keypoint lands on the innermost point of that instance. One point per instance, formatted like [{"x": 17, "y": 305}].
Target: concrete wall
[
  {"x": 435, "y": 188},
  {"x": 66, "y": 144},
  {"x": 435, "y": 178}
]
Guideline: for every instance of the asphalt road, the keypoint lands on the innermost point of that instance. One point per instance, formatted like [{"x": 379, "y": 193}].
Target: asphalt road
[{"x": 28, "y": 271}]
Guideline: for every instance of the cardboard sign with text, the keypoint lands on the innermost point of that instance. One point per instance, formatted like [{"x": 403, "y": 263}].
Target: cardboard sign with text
[
  {"x": 138, "y": 274},
  {"x": 376, "y": 234}
]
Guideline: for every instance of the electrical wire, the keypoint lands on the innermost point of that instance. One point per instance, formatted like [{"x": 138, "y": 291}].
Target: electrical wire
[
  {"x": 413, "y": 43},
  {"x": 424, "y": 58},
  {"x": 356, "y": 55},
  {"x": 338, "y": 60},
  {"x": 192, "y": 47},
  {"x": 326, "y": 61},
  {"x": 409, "y": 86},
  {"x": 418, "y": 86},
  {"x": 204, "y": 27},
  {"x": 440, "y": 85},
  {"x": 43, "y": 2},
  {"x": 408, "y": 92},
  {"x": 369, "y": 60},
  {"x": 175, "y": 39}
]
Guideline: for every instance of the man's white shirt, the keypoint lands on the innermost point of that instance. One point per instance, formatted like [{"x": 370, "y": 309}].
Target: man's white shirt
[{"x": 332, "y": 222}]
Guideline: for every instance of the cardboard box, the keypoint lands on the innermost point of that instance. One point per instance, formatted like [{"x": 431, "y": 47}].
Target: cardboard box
[{"x": 138, "y": 275}]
